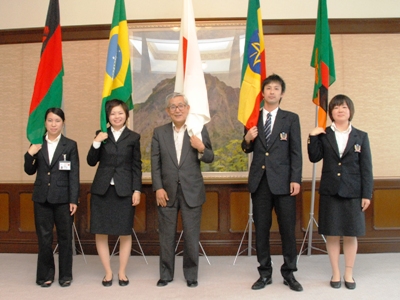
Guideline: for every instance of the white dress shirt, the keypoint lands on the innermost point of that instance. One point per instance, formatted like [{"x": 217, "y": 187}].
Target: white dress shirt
[
  {"x": 52, "y": 145},
  {"x": 342, "y": 137},
  {"x": 178, "y": 139},
  {"x": 273, "y": 116}
]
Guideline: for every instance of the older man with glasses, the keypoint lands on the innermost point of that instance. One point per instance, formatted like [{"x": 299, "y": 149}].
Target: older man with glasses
[{"x": 178, "y": 184}]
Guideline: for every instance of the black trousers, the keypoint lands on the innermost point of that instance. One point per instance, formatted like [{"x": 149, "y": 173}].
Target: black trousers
[
  {"x": 285, "y": 207},
  {"x": 46, "y": 216},
  {"x": 191, "y": 219}
]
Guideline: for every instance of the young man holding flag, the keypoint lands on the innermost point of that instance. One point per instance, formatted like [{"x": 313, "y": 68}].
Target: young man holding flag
[{"x": 274, "y": 180}]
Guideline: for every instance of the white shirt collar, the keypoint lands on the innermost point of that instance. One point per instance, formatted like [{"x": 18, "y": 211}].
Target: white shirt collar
[
  {"x": 118, "y": 131},
  {"x": 183, "y": 128},
  {"x": 56, "y": 140},
  {"x": 273, "y": 113},
  {"x": 347, "y": 131}
]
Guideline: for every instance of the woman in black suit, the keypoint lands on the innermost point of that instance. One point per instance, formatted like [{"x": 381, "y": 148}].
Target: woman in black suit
[
  {"x": 55, "y": 196},
  {"x": 116, "y": 187},
  {"x": 346, "y": 185}
]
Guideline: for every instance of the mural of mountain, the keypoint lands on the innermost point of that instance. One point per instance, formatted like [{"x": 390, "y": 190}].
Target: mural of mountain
[{"x": 226, "y": 132}]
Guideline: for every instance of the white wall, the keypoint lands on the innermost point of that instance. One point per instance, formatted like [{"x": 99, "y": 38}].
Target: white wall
[{"x": 32, "y": 13}]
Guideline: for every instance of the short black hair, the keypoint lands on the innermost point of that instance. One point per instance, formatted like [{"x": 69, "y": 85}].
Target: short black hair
[
  {"x": 273, "y": 78},
  {"x": 55, "y": 110},
  {"x": 113, "y": 103},
  {"x": 339, "y": 100}
]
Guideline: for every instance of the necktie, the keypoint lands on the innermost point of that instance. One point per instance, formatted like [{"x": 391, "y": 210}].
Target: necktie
[{"x": 267, "y": 128}]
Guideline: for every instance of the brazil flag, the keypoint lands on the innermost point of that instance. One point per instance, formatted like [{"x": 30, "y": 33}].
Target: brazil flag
[{"x": 118, "y": 78}]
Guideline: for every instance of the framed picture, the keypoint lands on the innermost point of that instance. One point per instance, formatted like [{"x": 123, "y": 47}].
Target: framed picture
[{"x": 154, "y": 62}]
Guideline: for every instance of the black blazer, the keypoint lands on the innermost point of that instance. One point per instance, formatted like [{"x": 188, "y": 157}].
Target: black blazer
[
  {"x": 166, "y": 172},
  {"x": 349, "y": 176},
  {"x": 120, "y": 160},
  {"x": 51, "y": 184},
  {"x": 282, "y": 161}
]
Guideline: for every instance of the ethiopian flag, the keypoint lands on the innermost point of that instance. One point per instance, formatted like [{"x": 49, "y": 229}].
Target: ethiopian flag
[
  {"x": 48, "y": 88},
  {"x": 118, "y": 78},
  {"x": 323, "y": 61},
  {"x": 253, "y": 68}
]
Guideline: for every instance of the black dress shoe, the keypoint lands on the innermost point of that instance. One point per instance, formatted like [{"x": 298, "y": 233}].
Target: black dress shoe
[
  {"x": 335, "y": 284},
  {"x": 163, "y": 282},
  {"x": 192, "y": 283},
  {"x": 293, "y": 284},
  {"x": 65, "y": 283},
  {"x": 107, "y": 283},
  {"x": 261, "y": 283},
  {"x": 46, "y": 284},
  {"x": 122, "y": 282},
  {"x": 350, "y": 285}
]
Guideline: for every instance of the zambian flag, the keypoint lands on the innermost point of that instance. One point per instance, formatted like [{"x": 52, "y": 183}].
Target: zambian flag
[
  {"x": 323, "y": 62},
  {"x": 48, "y": 88},
  {"x": 253, "y": 68},
  {"x": 118, "y": 78}
]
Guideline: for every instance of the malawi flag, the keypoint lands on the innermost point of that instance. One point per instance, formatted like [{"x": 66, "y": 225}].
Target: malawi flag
[
  {"x": 189, "y": 73},
  {"x": 323, "y": 62},
  {"x": 253, "y": 68},
  {"x": 118, "y": 78},
  {"x": 48, "y": 88}
]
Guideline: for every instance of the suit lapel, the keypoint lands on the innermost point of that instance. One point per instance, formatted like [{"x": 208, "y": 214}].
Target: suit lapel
[
  {"x": 330, "y": 135},
  {"x": 124, "y": 135},
  {"x": 59, "y": 150},
  {"x": 169, "y": 142},
  {"x": 185, "y": 147},
  {"x": 279, "y": 121},
  {"x": 351, "y": 142},
  {"x": 261, "y": 129},
  {"x": 45, "y": 152},
  {"x": 111, "y": 135}
]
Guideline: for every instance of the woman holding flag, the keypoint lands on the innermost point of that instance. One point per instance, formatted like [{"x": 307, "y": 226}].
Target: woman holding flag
[
  {"x": 116, "y": 187},
  {"x": 55, "y": 197},
  {"x": 346, "y": 185}
]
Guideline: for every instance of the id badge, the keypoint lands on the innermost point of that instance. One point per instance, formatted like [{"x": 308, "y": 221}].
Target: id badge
[{"x": 64, "y": 165}]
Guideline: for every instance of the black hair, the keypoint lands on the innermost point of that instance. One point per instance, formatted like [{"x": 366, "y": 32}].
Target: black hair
[
  {"x": 273, "y": 78},
  {"x": 339, "y": 100},
  {"x": 55, "y": 110},
  {"x": 113, "y": 103}
]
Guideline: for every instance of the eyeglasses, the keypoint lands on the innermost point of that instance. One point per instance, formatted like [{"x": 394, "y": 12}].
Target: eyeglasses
[{"x": 181, "y": 106}]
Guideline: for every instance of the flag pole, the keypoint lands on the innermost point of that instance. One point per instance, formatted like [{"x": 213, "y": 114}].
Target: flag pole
[
  {"x": 311, "y": 221},
  {"x": 322, "y": 60},
  {"x": 249, "y": 225},
  {"x": 253, "y": 73}
]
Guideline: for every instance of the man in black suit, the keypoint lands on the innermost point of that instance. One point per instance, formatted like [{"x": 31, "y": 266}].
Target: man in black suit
[
  {"x": 274, "y": 180},
  {"x": 178, "y": 183}
]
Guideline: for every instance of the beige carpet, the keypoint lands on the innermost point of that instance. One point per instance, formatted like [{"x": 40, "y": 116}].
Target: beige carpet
[{"x": 377, "y": 277}]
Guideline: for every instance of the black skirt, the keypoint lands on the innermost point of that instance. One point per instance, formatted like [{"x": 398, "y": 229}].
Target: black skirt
[
  {"x": 340, "y": 216},
  {"x": 111, "y": 214}
]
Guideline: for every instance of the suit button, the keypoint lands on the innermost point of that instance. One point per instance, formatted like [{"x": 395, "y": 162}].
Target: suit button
[
  {"x": 266, "y": 154},
  {"x": 263, "y": 167},
  {"x": 339, "y": 164},
  {"x": 48, "y": 184},
  {"x": 338, "y": 174},
  {"x": 48, "y": 173}
]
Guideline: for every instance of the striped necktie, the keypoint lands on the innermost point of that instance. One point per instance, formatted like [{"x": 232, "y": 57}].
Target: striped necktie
[{"x": 267, "y": 128}]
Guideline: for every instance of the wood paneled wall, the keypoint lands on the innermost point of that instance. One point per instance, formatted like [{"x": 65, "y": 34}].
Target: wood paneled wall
[
  {"x": 226, "y": 212},
  {"x": 225, "y": 216}
]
